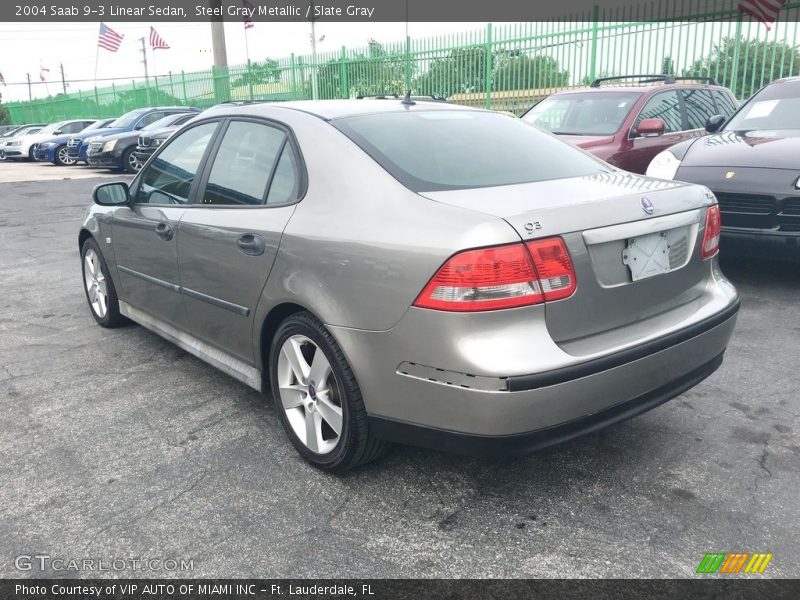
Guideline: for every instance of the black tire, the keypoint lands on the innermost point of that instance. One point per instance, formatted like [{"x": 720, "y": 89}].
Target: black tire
[
  {"x": 356, "y": 446},
  {"x": 125, "y": 163},
  {"x": 30, "y": 154},
  {"x": 112, "y": 317},
  {"x": 57, "y": 160}
]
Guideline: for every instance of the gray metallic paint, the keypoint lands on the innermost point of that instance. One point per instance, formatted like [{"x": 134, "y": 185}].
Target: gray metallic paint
[{"x": 359, "y": 247}]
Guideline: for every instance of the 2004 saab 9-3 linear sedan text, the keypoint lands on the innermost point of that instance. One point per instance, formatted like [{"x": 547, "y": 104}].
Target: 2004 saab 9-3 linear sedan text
[{"x": 414, "y": 272}]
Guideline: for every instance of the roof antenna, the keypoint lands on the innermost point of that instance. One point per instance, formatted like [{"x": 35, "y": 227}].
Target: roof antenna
[{"x": 407, "y": 101}]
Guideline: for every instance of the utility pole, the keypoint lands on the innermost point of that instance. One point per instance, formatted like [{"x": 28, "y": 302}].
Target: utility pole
[
  {"x": 144, "y": 62},
  {"x": 222, "y": 84},
  {"x": 63, "y": 80},
  {"x": 312, "y": 18},
  {"x": 30, "y": 93}
]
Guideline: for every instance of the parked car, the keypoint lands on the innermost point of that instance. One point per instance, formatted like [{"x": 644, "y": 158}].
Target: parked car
[
  {"x": 130, "y": 121},
  {"x": 54, "y": 149},
  {"x": 118, "y": 150},
  {"x": 18, "y": 134},
  {"x": 24, "y": 145},
  {"x": 627, "y": 125},
  {"x": 422, "y": 273},
  {"x": 752, "y": 163},
  {"x": 14, "y": 129},
  {"x": 152, "y": 137}
]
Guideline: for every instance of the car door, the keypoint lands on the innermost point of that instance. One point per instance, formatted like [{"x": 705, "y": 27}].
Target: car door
[
  {"x": 667, "y": 107},
  {"x": 144, "y": 233},
  {"x": 229, "y": 238}
]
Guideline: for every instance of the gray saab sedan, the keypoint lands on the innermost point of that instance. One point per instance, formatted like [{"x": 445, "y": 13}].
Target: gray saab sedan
[{"x": 414, "y": 272}]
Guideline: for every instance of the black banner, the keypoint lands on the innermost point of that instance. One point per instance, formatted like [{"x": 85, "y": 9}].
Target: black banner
[
  {"x": 394, "y": 589},
  {"x": 360, "y": 10}
]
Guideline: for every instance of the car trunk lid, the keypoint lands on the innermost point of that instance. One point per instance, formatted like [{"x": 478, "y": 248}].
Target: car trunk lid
[{"x": 612, "y": 223}]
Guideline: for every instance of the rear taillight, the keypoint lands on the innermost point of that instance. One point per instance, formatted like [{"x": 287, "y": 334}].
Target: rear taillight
[
  {"x": 554, "y": 268},
  {"x": 711, "y": 234},
  {"x": 501, "y": 277}
]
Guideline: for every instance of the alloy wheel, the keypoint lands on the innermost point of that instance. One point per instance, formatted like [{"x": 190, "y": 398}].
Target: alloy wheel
[
  {"x": 95, "y": 283},
  {"x": 309, "y": 394},
  {"x": 64, "y": 157}
]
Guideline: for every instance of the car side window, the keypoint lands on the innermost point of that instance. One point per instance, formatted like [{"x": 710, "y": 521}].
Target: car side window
[
  {"x": 150, "y": 118},
  {"x": 168, "y": 178},
  {"x": 699, "y": 106},
  {"x": 286, "y": 181},
  {"x": 72, "y": 128},
  {"x": 664, "y": 106},
  {"x": 726, "y": 105},
  {"x": 244, "y": 162}
]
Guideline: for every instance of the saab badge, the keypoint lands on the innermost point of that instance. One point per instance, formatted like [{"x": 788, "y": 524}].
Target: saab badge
[
  {"x": 730, "y": 174},
  {"x": 647, "y": 206}
]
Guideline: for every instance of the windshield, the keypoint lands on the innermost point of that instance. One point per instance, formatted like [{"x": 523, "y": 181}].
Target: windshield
[
  {"x": 98, "y": 125},
  {"x": 52, "y": 127},
  {"x": 457, "y": 149},
  {"x": 127, "y": 119},
  {"x": 777, "y": 106},
  {"x": 589, "y": 113},
  {"x": 162, "y": 122}
]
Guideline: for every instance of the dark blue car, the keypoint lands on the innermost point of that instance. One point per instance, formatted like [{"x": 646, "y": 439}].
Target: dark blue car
[
  {"x": 54, "y": 149},
  {"x": 130, "y": 121}
]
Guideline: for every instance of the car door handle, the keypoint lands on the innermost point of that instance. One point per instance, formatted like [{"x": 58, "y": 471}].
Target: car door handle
[
  {"x": 251, "y": 244},
  {"x": 164, "y": 231}
]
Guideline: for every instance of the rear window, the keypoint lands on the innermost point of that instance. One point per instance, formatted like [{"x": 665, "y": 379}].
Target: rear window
[
  {"x": 447, "y": 150},
  {"x": 584, "y": 113}
]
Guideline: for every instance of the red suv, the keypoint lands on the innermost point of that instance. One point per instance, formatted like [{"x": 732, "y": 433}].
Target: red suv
[{"x": 627, "y": 125}]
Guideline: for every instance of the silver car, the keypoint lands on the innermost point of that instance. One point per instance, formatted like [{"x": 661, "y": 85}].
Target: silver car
[{"x": 413, "y": 272}]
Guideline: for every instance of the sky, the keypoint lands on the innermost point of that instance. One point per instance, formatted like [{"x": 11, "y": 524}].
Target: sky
[{"x": 25, "y": 47}]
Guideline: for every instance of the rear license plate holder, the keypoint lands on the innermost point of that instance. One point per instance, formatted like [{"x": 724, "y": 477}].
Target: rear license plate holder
[{"x": 647, "y": 255}]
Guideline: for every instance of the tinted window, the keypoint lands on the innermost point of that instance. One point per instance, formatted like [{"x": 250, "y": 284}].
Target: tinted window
[
  {"x": 726, "y": 104},
  {"x": 429, "y": 150},
  {"x": 284, "y": 186},
  {"x": 127, "y": 119},
  {"x": 168, "y": 178},
  {"x": 243, "y": 164},
  {"x": 590, "y": 113},
  {"x": 699, "y": 106},
  {"x": 72, "y": 127},
  {"x": 149, "y": 118},
  {"x": 663, "y": 106}
]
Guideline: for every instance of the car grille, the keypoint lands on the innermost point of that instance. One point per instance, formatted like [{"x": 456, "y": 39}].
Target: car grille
[
  {"x": 72, "y": 142},
  {"x": 144, "y": 140},
  {"x": 94, "y": 147},
  {"x": 759, "y": 211}
]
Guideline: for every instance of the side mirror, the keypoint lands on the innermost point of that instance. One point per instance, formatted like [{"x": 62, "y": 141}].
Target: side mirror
[
  {"x": 112, "y": 194},
  {"x": 57, "y": 132},
  {"x": 714, "y": 123},
  {"x": 651, "y": 127}
]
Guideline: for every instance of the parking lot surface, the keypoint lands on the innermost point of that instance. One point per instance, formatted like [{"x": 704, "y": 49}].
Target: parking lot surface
[
  {"x": 12, "y": 171},
  {"x": 118, "y": 445}
]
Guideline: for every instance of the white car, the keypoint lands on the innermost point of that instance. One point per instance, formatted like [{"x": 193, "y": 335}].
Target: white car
[{"x": 23, "y": 144}]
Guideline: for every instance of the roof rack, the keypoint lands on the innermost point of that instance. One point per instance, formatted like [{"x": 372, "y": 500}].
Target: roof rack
[
  {"x": 420, "y": 97},
  {"x": 667, "y": 79}
]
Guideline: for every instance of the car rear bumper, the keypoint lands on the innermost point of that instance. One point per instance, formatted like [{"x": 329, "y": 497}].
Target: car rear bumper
[
  {"x": 521, "y": 443},
  {"x": 495, "y": 377}
]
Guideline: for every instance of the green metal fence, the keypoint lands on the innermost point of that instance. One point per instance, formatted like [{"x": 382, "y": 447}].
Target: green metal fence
[{"x": 506, "y": 67}]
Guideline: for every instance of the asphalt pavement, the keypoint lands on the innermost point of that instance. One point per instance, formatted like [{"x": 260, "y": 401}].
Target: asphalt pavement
[{"x": 117, "y": 445}]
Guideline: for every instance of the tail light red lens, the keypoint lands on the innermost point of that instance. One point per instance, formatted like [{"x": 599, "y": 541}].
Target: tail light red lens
[
  {"x": 554, "y": 268},
  {"x": 501, "y": 277},
  {"x": 712, "y": 232}
]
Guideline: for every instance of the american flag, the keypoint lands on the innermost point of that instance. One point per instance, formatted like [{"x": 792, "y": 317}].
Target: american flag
[
  {"x": 248, "y": 22},
  {"x": 765, "y": 11},
  {"x": 109, "y": 39},
  {"x": 3, "y": 80},
  {"x": 156, "y": 41},
  {"x": 42, "y": 71}
]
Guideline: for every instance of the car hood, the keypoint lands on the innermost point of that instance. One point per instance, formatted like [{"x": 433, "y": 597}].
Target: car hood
[
  {"x": 759, "y": 149},
  {"x": 97, "y": 134},
  {"x": 107, "y": 137},
  {"x": 158, "y": 133},
  {"x": 586, "y": 141},
  {"x": 58, "y": 139}
]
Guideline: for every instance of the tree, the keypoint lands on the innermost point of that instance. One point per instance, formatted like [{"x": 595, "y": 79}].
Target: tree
[
  {"x": 265, "y": 71},
  {"x": 464, "y": 71},
  {"x": 759, "y": 62},
  {"x": 3, "y": 116},
  {"x": 375, "y": 73},
  {"x": 667, "y": 66}
]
